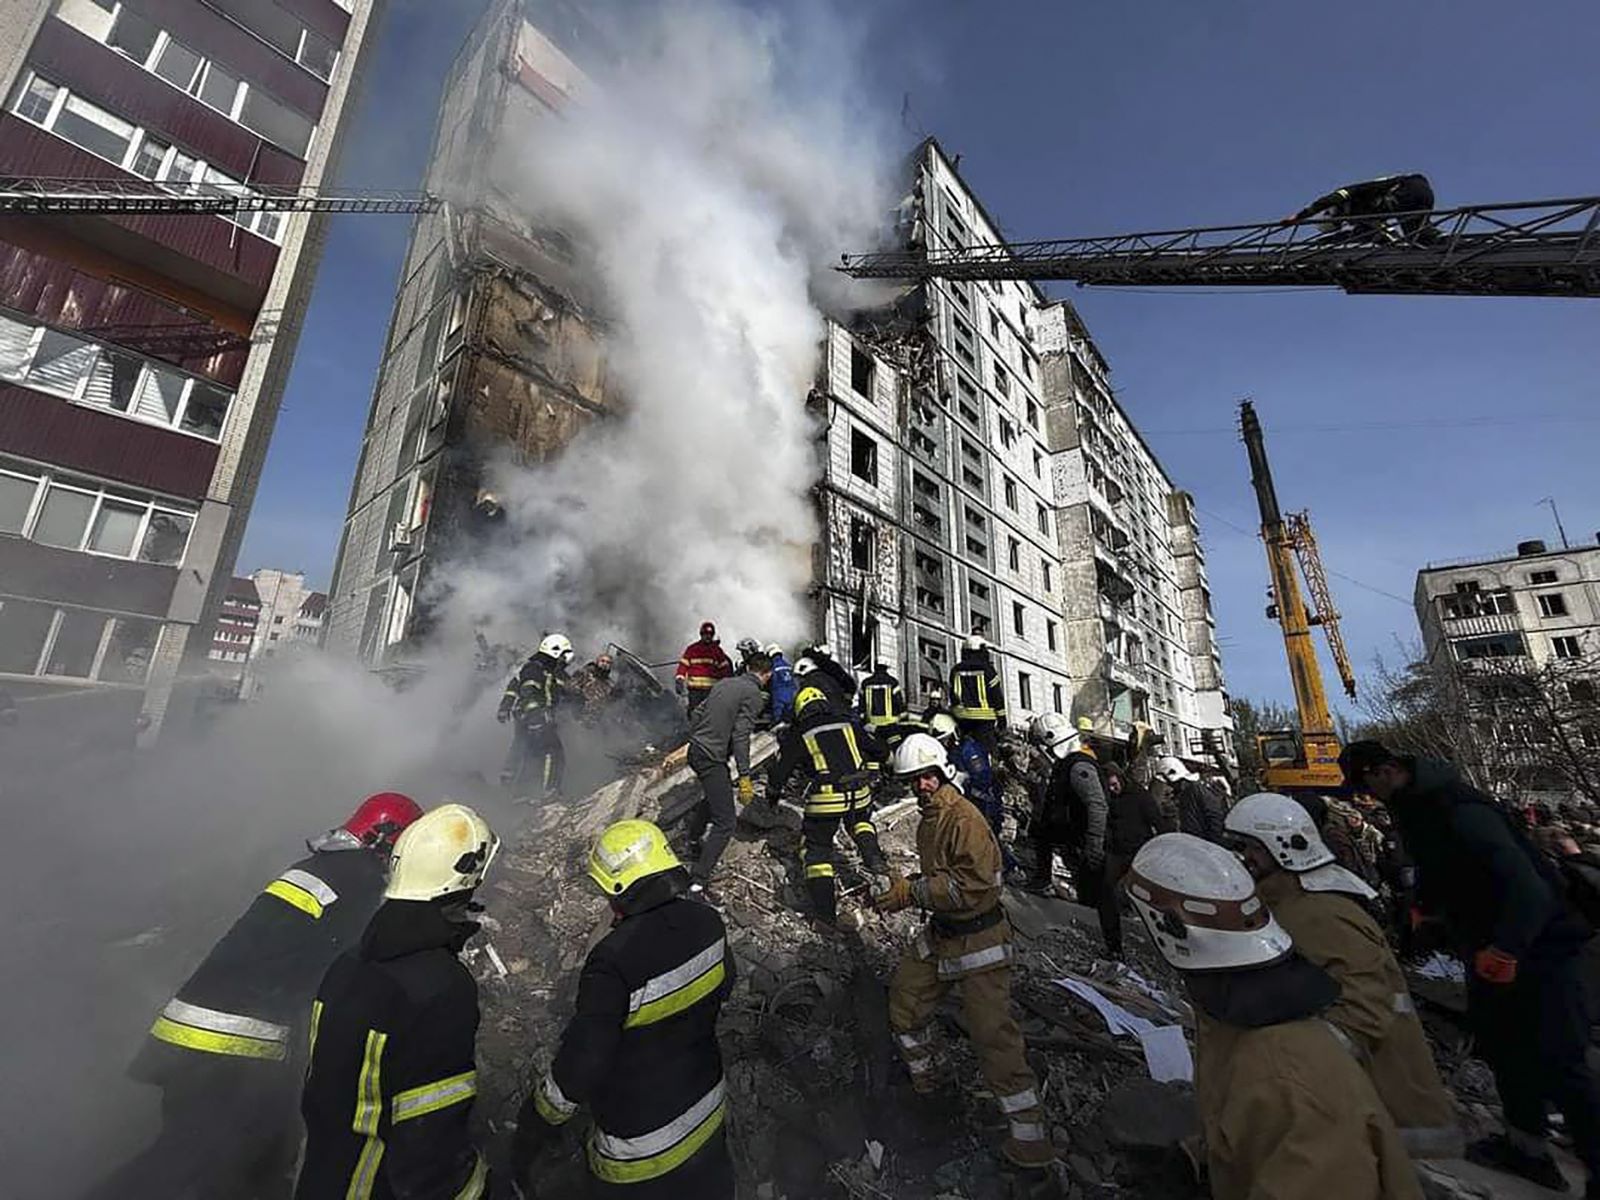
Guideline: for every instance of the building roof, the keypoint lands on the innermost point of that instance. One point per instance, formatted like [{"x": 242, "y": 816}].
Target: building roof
[
  {"x": 243, "y": 589},
  {"x": 314, "y": 606}
]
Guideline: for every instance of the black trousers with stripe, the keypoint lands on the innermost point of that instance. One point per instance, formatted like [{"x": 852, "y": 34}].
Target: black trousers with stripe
[
  {"x": 708, "y": 1175},
  {"x": 818, "y": 856}
]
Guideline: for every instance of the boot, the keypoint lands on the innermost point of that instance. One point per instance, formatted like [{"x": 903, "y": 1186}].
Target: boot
[
  {"x": 1500, "y": 1154},
  {"x": 824, "y": 899},
  {"x": 1031, "y": 1154}
]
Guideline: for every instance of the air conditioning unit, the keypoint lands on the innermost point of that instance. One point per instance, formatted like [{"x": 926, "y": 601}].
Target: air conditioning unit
[{"x": 399, "y": 537}]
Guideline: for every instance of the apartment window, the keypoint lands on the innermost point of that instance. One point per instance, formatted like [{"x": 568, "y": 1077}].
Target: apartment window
[
  {"x": 132, "y": 34},
  {"x": 971, "y": 451},
  {"x": 1056, "y": 697},
  {"x": 924, "y": 445},
  {"x": 927, "y": 519},
  {"x": 276, "y": 122},
  {"x": 1002, "y": 382},
  {"x": 1050, "y": 634},
  {"x": 931, "y": 650},
  {"x": 1538, "y": 577},
  {"x": 980, "y": 625},
  {"x": 1008, "y": 432},
  {"x": 76, "y": 514},
  {"x": 972, "y": 478},
  {"x": 861, "y": 544},
  {"x": 1552, "y": 604},
  {"x": 977, "y": 547},
  {"x": 1566, "y": 647},
  {"x": 1042, "y": 516},
  {"x": 930, "y": 599},
  {"x": 180, "y": 66},
  {"x": 1027, "y": 371},
  {"x": 863, "y": 456},
  {"x": 1038, "y": 465},
  {"x": 994, "y": 324},
  {"x": 975, "y": 518},
  {"x": 1045, "y": 572},
  {"x": 1014, "y": 554},
  {"x": 861, "y": 369},
  {"x": 1024, "y": 689},
  {"x": 93, "y": 129},
  {"x": 926, "y": 563},
  {"x": 978, "y": 591},
  {"x": 1011, "y": 493},
  {"x": 924, "y": 486},
  {"x": 959, "y": 291},
  {"x": 1033, "y": 414}
]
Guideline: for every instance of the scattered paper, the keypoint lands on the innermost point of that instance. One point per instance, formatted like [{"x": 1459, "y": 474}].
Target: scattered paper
[
  {"x": 1118, "y": 1019},
  {"x": 1442, "y": 966},
  {"x": 1166, "y": 1054}
]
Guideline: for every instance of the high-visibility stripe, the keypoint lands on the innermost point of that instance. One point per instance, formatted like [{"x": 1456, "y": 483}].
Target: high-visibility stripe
[
  {"x": 819, "y": 871},
  {"x": 863, "y": 828},
  {"x": 477, "y": 1183},
  {"x": 208, "y": 1042},
  {"x": 1018, "y": 1101},
  {"x": 1402, "y": 1003},
  {"x": 966, "y": 964},
  {"x": 307, "y": 882},
  {"x": 297, "y": 896},
  {"x": 856, "y": 756},
  {"x": 828, "y": 804},
  {"x": 551, "y": 1102},
  {"x": 225, "y": 1022},
  {"x": 369, "y": 1108},
  {"x": 652, "y": 1155},
  {"x": 316, "y": 1024},
  {"x": 431, "y": 1097},
  {"x": 673, "y": 991},
  {"x": 1027, "y": 1131}
]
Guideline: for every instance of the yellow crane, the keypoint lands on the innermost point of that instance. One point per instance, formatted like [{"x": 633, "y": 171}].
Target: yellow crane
[{"x": 1306, "y": 759}]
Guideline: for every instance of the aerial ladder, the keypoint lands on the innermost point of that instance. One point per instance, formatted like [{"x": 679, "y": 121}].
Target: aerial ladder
[
  {"x": 1306, "y": 759},
  {"x": 53, "y": 197},
  {"x": 1527, "y": 248}
]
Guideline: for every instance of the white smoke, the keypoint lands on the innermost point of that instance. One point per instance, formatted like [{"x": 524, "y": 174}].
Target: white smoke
[{"x": 709, "y": 178}]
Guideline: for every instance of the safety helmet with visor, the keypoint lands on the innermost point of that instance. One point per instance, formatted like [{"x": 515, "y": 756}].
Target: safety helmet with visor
[{"x": 1200, "y": 906}]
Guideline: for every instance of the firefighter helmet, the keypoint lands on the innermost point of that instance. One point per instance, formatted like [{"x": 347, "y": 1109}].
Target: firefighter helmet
[
  {"x": 1200, "y": 906},
  {"x": 804, "y": 665},
  {"x": 1284, "y": 829},
  {"x": 1056, "y": 733},
  {"x": 708, "y": 631},
  {"x": 446, "y": 850},
  {"x": 557, "y": 646},
  {"x": 627, "y": 852},
  {"x": 976, "y": 643},
  {"x": 1173, "y": 770},
  {"x": 806, "y": 697},
  {"x": 746, "y": 646},
  {"x": 381, "y": 818},
  {"x": 772, "y": 649},
  {"x": 918, "y": 753},
  {"x": 943, "y": 725}
]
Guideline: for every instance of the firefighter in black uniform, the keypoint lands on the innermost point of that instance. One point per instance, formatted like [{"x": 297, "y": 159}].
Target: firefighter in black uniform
[
  {"x": 831, "y": 746},
  {"x": 531, "y": 700},
  {"x": 389, "y": 1090},
  {"x": 226, "y": 1050},
  {"x": 828, "y": 673},
  {"x": 977, "y": 696},
  {"x": 641, "y": 1050},
  {"x": 883, "y": 705},
  {"x": 1343, "y": 209}
]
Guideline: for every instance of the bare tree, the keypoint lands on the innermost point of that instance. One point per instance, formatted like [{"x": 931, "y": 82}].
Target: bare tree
[{"x": 1252, "y": 717}]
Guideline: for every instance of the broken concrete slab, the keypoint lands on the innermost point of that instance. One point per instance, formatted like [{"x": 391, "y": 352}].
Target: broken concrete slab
[{"x": 1142, "y": 1114}]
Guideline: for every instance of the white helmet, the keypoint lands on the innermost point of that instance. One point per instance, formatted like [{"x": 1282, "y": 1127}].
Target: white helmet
[
  {"x": 943, "y": 725},
  {"x": 772, "y": 650},
  {"x": 746, "y": 646},
  {"x": 920, "y": 752},
  {"x": 1172, "y": 770},
  {"x": 976, "y": 643},
  {"x": 1056, "y": 733},
  {"x": 1201, "y": 907},
  {"x": 804, "y": 665},
  {"x": 557, "y": 646},
  {"x": 444, "y": 851},
  {"x": 824, "y": 648},
  {"x": 1283, "y": 827}
]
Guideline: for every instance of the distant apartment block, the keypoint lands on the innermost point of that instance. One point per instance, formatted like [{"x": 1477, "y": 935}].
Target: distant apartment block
[
  {"x": 234, "y": 632},
  {"x": 143, "y": 357}
]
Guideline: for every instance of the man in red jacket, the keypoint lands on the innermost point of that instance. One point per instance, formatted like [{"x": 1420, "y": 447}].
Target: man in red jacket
[{"x": 702, "y": 664}]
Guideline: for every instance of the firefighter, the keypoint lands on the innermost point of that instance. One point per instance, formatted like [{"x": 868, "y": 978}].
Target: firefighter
[
  {"x": 1285, "y": 1109},
  {"x": 720, "y": 729},
  {"x": 977, "y": 697},
  {"x": 388, "y": 1094},
  {"x": 1359, "y": 210},
  {"x": 1321, "y": 905},
  {"x": 882, "y": 705},
  {"x": 1074, "y": 812},
  {"x": 226, "y": 1050},
  {"x": 966, "y": 944},
  {"x": 978, "y": 783},
  {"x": 831, "y": 675},
  {"x": 781, "y": 686},
  {"x": 530, "y": 701},
  {"x": 702, "y": 663},
  {"x": 838, "y": 755},
  {"x": 641, "y": 1050},
  {"x": 1200, "y": 810}
]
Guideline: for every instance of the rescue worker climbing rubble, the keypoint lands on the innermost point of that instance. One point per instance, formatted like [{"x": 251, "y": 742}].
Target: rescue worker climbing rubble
[
  {"x": 720, "y": 729},
  {"x": 1285, "y": 1108},
  {"x": 226, "y": 1051},
  {"x": 966, "y": 944},
  {"x": 389, "y": 1090},
  {"x": 882, "y": 704},
  {"x": 1321, "y": 905},
  {"x": 640, "y": 1051},
  {"x": 837, "y": 754},
  {"x": 530, "y": 703},
  {"x": 977, "y": 696},
  {"x": 701, "y": 665}
]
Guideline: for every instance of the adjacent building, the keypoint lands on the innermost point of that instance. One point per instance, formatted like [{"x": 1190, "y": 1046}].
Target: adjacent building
[
  {"x": 234, "y": 633},
  {"x": 143, "y": 357}
]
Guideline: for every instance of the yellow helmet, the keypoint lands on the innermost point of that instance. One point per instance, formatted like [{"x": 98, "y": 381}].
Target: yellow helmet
[
  {"x": 628, "y": 852},
  {"x": 444, "y": 851},
  {"x": 808, "y": 696}
]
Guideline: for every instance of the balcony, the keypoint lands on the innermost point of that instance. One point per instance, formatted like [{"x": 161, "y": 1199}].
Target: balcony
[{"x": 1479, "y": 626}]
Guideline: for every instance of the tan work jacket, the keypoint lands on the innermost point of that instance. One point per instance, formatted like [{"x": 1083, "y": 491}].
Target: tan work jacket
[{"x": 960, "y": 884}]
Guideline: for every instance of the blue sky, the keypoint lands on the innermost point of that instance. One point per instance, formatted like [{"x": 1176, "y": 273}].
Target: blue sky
[{"x": 1412, "y": 428}]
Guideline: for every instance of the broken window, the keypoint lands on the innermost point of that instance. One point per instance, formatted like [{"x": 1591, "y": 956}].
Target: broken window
[
  {"x": 1055, "y": 697},
  {"x": 1552, "y": 604},
  {"x": 863, "y": 637},
  {"x": 994, "y": 324},
  {"x": 974, "y": 479},
  {"x": 931, "y": 650},
  {"x": 976, "y": 547},
  {"x": 24, "y": 626},
  {"x": 1566, "y": 647},
  {"x": 1042, "y": 515},
  {"x": 76, "y": 644},
  {"x": 128, "y": 653},
  {"x": 1538, "y": 577},
  {"x": 925, "y": 517},
  {"x": 861, "y": 371},
  {"x": 1033, "y": 415},
  {"x": 16, "y": 500},
  {"x": 862, "y": 543},
  {"x": 980, "y": 625},
  {"x": 979, "y": 591},
  {"x": 1014, "y": 554},
  {"x": 975, "y": 518},
  {"x": 931, "y": 600},
  {"x": 1044, "y": 568},
  {"x": 863, "y": 456},
  {"x": 1002, "y": 382},
  {"x": 926, "y": 562},
  {"x": 1008, "y": 433},
  {"x": 924, "y": 445}
]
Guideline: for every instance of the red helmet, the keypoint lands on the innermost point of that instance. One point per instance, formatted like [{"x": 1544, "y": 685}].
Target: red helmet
[
  {"x": 708, "y": 631},
  {"x": 381, "y": 817}
]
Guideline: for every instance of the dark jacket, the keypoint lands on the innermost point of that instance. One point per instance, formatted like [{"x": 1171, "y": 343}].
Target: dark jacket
[
  {"x": 1075, "y": 804},
  {"x": 882, "y": 702},
  {"x": 1201, "y": 811},
  {"x": 249, "y": 1000},
  {"x": 1369, "y": 196},
  {"x": 721, "y": 724},
  {"x": 389, "y": 1092},
  {"x": 976, "y": 691},
  {"x": 831, "y": 746},
  {"x": 971, "y": 759},
  {"x": 535, "y": 691},
  {"x": 640, "y": 1051},
  {"x": 840, "y": 684},
  {"x": 1475, "y": 870},
  {"x": 1133, "y": 819}
]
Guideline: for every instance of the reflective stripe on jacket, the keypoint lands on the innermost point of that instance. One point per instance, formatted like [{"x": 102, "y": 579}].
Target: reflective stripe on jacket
[
  {"x": 882, "y": 701},
  {"x": 702, "y": 664},
  {"x": 976, "y": 693},
  {"x": 832, "y": 747}
]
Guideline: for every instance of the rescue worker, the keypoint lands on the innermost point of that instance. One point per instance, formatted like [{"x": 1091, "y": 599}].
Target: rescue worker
[
  {"x": 720, "y": 729},
  {"x": 835, "y": 679},
  {"x": 1200, "y": 810},
  {"x": 530, "y": 702},
  {"x": 700, "y": 666},
  {"x": 882, "y": 705},
  {"x": 837, "y": 754},
  {"x": 227, "y": 1050},
  {"x": 977, "y": 696},
  {"x": 1502, "y": 904},
  {"x": 596, "y": 689},
  {"x": 1073, "y": 817},
  {"x": 782, "y": 686},
  {"x": 388, "y": 1094},
  {"x": 1358, "y": 210},
  {"x": 1132, "y": 818},
  {"x": 744, "y": 648},
  {"x": 979, "y": 784},
  {"x": 1285, "y": 1109},
  {"x": 966, "y": 944},
  {"x": 641, "y": 1050},
  {"x": 1321, "y": 904}
]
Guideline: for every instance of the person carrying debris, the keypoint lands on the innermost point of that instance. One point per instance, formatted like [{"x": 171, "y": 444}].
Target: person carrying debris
[
  {"x": 388, "y": 1094},
  {"x": 782, "y": 686},
  {"x": 978, "y": 698},
  {"x": 720, "y": 729},
  {"x": 596, "y": 688},
  {"x": 1200, "y": 810},
  {"x": 838, "y": 754},
  {"x": 966, "y": 944},
  {"x": 1360, "y": 210},
  {"x": 701, "y": 665},
  {"x": 640, "y": 1051},
  {"x": 1073, "y": 814},
  {"x": 1321, "y": 904},
  {"x": 226, "y": 1051},
  {"x": 530, "y": 703},
  {"x": 1503, "y": 905},
  {"x": 1286, "y": 1110}
]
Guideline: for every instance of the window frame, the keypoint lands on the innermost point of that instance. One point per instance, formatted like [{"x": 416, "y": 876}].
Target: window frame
[
  {"x": 1552, "y": 605},
  {"x": 1558, "y": 643},
  {"x": 47, "y": 480}
]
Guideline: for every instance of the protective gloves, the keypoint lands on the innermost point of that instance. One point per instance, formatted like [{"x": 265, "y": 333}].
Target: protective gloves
[
  {"x": 747, "y": 789},
  {"x": 896, "y": 894},
  {"x": 1493, "y": 965}
]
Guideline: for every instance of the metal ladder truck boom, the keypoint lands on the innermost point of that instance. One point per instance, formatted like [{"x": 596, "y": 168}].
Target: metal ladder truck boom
[
  {"x": 1306, "y": 759},
  {"x": 62, "y": 197}
]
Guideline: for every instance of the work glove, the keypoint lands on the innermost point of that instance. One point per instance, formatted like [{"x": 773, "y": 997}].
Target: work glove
[
  {"x": 895, "y": 895},
  {"x": 1493, "y": 965},
  {"x": 679, "y": 686},
  {"x": 747, "y": 789}
]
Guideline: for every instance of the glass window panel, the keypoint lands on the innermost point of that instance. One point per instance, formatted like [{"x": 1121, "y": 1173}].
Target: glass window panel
[
  {"x": 116, "y": 527},
  {"x": 149, "y": 158},
  {"x": 96, "y": 130},
  {"x": 159, "y": 395},
  {"x": 267, "y": 21},
  {"x": 183, "y": 169},
  {"x": 77, "y": 642},
  {"x": 63, "y": 518},
  {"x": 177, "y": 64},
  {"x": 207, "y": 409},
  {"x": 114, "y": 381},
  {"x": 165, "y": 539},
  {"x": 23, "y": 629},
  {"x": 269, "y": 224},
  {"x": 133, "y": 35},
  {"x": 128, "y": 653},
  {"x": 219, "y": 89},
  {"x": 62, "y": 361},
  {"x": 16, "y": 342},
  {"x": 36, "y": 99},
  {"x": 276, "y": 122},
  {"x": 16, "y": 498},
  {"x": 318, "y": 55}
]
